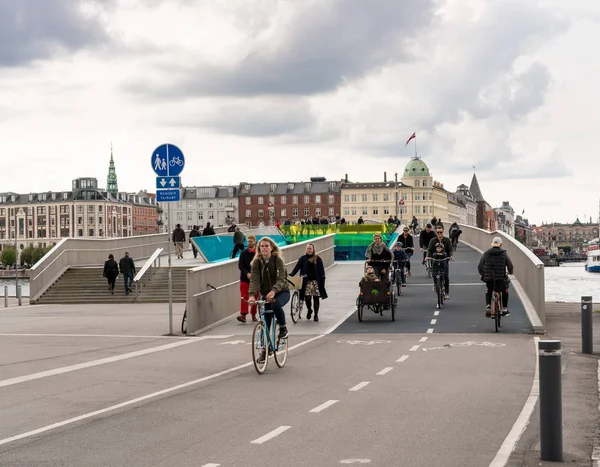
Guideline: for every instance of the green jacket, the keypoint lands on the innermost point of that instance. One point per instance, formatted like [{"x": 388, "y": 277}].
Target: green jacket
[
  {"x": 238, "y": 238},
  {"x": 434, "y": 241},
  {"x": 265, "y": 277}
]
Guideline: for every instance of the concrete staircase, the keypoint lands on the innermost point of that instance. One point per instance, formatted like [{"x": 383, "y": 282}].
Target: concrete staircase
[{"x": 86, "y": 285}]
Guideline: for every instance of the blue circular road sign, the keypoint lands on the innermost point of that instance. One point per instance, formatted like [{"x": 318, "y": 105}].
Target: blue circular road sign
[{"x": 167, "y": 160}]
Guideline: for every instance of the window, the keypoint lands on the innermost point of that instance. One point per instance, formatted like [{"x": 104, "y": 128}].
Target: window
[
  {"x": 331, "y": 211},
  {"x": 221, "y": 204},
  {"x": 375, "y": 211},
  {"x": 91, "y": 232},
  {"x": 272, "y": 199},
  {"x": 386, "y": 197},
  {"x": 353, "y": 198},
  {"x": 189, "y": 216},
  {"x": 290, "y": 186},
  {"x": 417, "y": 182},
  {"x": 248, "y": 212},
  {"x": 386, "y": 211},
  {"x": 261, "y": 213},
  {"x": 318, "y": 199},
  {"x": 365, "y": 211},
  {"x": 91, "y": 220},
  {"x": 404, "y": 196},
  {"x": 306, "y": 212},
  {"x": 354, "y": 211},
  {"x": 248, "y": 200},
  {"x": 375, "y": 197},
  {"x": 317, "y": 212},
  {"x": 294, "y": 200},
  {"x": 273, "y": 187},
  {"x": 346, "y": 211},
  {"x": 80, "y": 220},
  {"x": 211, "y": 215},
  {"x": 331, "y": 199},
  {"x": 424, "y": 196},
  {"x": 284, "y": 200},
  {"x": 199, "y": 203},
  {"x": 283, "y": 212},
  {"x": 364, "y": 198},
  {"x": 417, "y": 209},
  {"x": 417, "y": 196},
  {"x": 346, "y": 198},
  {"x": 294, "y": 212},
  {"x": 79, "y": 232},
  {"x": 189, "y": 204},
  {"x": 306, "y": 199},
  {"x": 261, "y": 200},
  {"x": 210, "y": 204}
]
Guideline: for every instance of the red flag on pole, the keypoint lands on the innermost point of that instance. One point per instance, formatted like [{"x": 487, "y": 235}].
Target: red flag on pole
[{"x": 411, "y": 137}]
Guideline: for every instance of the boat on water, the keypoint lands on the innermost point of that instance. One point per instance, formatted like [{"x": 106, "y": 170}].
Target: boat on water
[{"x": 592, "y": 263}]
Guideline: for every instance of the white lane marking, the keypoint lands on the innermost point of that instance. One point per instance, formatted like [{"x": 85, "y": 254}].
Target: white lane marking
[
  {"x": 120, "y": 336},
  {"x": 271, "y": 435},
  {"x": 232, "y": 342},
  {"x": 385, "y": 370},
  {"x": 436, "y": 313},
  {"x": 140, "y": 399},
  {"x": 323, "y": 406},
  {"x": 211, "y": 465},
  {"x": 102, "y": 361},
  {"x": 359, "y": 386},
  {"x": 430, "y": 331},
  {"x": 433, "y": 321},
  {"x": 364, "y": 342},
  {"x": 355, "y": 461},
  {"x": 21, "y": 307},
  {"x": 341, "y": 321},
  {"x": 522, "y": 421},
  {"x": 414, "y": 347},
  {"x": 402, "y": 359},
  {"x": 423, "y": 339}
]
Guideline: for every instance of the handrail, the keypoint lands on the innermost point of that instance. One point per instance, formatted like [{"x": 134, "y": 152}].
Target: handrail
[
  {"x": 147, "y": 264},
  {"x": 50, "y": 264}
]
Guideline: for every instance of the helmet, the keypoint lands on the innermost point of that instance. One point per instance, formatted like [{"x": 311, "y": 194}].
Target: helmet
[
  {"x": 399, "y": 244},
  {"x": 439, "y": 245},
  {"x": 428, "y": 225}
]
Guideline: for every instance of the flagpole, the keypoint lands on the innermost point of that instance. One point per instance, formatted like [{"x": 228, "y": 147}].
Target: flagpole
[{"x": 415, "y": 138}]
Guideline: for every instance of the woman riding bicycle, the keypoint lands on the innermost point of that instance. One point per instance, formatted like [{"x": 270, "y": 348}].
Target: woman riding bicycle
[
  {"x": 378, "y": 254},
  {"x": 269, "y": 277}
]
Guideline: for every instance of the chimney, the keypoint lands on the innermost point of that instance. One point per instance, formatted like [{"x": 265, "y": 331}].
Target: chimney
[
  {"x": 384, "y": 177},
  {"x": 346, "y": 179}
]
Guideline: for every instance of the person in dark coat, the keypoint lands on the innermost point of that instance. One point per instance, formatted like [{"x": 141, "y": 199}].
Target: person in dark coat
[
  {"x": 127, "y": 269},
  {"x": 194, "y": 233},
  {"x": 493, "y": 265},
  {"x": 208, "y": 230},
  {"x": 312, "y": 272},
  {"x": 111, "y": 271}
]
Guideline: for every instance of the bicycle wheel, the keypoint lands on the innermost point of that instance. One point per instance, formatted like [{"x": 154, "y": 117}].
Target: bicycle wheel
[
  {"x": 438, "y": 290},
  {"x": 398, "y": 281},
  {"x": 360, "y": 312},
  {"x": 184, "y": 322},
  {"x": 393, "y": 307},
  {"x": 498, "y": 313},
  {"x": 295, "y": 307},
  {"x": 260, "y": 344},
  {"x": 282, "y": 350}
]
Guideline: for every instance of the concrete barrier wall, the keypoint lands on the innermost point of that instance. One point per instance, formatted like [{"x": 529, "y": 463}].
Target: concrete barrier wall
[
  {"x": 528, "y": 268},
  {"x": 206, "y": 306}
]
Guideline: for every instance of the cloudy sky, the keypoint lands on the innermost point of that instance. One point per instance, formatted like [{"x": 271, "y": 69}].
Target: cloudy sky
[{"x": 278, "y": 90}]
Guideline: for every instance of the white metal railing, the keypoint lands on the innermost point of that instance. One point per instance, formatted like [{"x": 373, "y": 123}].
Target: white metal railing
[{"x": 141, "y": 278}]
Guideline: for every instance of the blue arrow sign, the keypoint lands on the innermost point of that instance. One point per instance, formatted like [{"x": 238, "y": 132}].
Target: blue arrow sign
[
  {"x": 167, "y": 160},
  {"x": 167, "y": 196},
  {"x": 166, "y": 183}
]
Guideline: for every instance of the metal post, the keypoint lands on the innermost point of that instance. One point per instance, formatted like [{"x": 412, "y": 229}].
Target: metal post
[
  {"x": 396, "y": 186},
  {"x": 170, "y": 275},
  {"x": 17, "y": 271},
  {"x": 6, "y": 296},
  {"x": 19, "y": 294},
  {"x": 551, "y": 439},
  {"x": 587, "y": 333}
]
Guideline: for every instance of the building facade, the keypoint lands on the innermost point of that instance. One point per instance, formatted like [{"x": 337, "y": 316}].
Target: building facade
[
  {"x": 271, "y": 202},
  {"x": 573, "y": 237},
  {"x": 200, "y": 205},
  {"x": 373, "y": 201},
  {"x": 463, "y": 193},
  {"x": 83, "y": 212},
  {"x": 505, "y": 216}
]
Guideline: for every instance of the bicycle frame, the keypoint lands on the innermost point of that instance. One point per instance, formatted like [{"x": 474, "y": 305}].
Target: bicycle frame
[{"x": 260, "y": 304}]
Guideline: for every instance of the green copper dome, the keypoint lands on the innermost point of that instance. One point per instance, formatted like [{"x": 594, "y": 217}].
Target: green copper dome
[{"x": 416, "y": 168}]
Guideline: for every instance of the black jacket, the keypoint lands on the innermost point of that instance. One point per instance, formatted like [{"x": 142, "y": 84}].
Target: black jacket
[
  {"x": 425, "y": 238},
  {"x": 244, "y": 264},
  {"x": 407, "y": 242},
  {"x": 111, "y": 268},
  {"x": 302, "y": 266},
  {"x": 447, "y": 247},
  {"x": 126, "y": 265},
  {"x": 494, "y": 262},
  {"x": 178, "y": 235}
]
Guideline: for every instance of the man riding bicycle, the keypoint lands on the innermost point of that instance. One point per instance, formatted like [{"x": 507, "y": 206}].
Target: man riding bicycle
[
  {"x": 409, "y": 246},
  {"x": 425, "y": 238},
  {"x": 454, "y": 233},
  {"x": 493, "y": 265},
  {"x": 439, "y": 238}
]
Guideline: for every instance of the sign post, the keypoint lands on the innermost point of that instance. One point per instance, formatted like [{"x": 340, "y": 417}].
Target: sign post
[
  {"x": 167, "y": 161},
  {"x": 401, "y": 204}
]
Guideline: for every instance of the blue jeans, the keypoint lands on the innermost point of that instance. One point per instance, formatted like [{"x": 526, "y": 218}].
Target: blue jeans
[
  {"x": 281, "y": 299},
  {"x": 128, "y": 280}
]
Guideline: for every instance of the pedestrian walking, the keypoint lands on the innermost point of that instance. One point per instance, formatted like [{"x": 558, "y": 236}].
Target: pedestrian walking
[
  {"x": 127, "y": 268},
  {"x": 111, "y": 271}
]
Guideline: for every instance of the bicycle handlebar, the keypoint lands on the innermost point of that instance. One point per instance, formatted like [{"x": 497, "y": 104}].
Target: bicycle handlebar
[{"x": 438, "y": 260}]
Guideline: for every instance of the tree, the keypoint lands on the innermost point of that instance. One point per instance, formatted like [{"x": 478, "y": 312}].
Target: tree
[
  {"x": 8, "y": 257},
  {"x": 39, "y": 253},
  {"x": 27, "y": 255}
]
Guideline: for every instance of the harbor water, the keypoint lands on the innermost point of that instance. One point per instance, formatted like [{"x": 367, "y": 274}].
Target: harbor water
[{"x": 24, "y": 283}]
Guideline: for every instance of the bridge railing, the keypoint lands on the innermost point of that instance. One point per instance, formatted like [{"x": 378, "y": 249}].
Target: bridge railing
[
  {"x": 528, "y": 270},
  {"x": 213, "y": 290}
]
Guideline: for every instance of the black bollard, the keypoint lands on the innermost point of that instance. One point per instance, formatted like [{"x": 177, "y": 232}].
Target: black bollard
[
  {"x": 587, "y": 333},
  {"x": 551, "y": 439}
]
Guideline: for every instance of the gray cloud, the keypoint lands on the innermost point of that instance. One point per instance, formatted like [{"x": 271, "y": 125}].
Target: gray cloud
[
  {"x": 325, "y": 44},
  {"x": 37, "y": 29}
]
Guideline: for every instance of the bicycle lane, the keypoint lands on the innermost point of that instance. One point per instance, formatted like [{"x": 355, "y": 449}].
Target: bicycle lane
[{"x": 209, "y": 418}]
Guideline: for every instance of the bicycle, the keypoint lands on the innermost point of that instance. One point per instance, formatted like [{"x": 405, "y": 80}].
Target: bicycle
[
  {"x": 439, "y": 280},
  {"x": 409, "y": 252},
  {"x": 263, "y": 339},
  {"x": 184, "y": 322},
  {"x": 296, "y": 303},
  {"x": 496, "y": 305},
  {"x": 397, "y": 276},
  {"x": 454, "y": 240}
]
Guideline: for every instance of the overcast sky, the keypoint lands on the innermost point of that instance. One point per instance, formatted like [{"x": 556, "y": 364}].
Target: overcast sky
[{"x": 275, "y": 90}]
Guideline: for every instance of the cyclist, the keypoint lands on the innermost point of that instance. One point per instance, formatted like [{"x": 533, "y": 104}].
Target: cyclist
[
  {"x": 425, "y": 238},
  {"x": 439, "y": 266},
  {"x": 439, "y": 238},
  {"x": 494, "y": 263},
  {"x": 269, "y": 277},
  {"x": 376, "y": 253},
  {"x": 409, "y": 246},
  {"x": 399, "y": 258},
  {"x": 455, "y": 233},
  {"x": 414, "y": 223}
]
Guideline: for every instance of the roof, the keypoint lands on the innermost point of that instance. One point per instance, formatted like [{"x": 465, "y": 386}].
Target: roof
[
  {"x": 416, "y": 168},
  {"x": 475, "y": 190},
  {"x": 288, "y": 188},
  {"x": 372, "y": 185}
]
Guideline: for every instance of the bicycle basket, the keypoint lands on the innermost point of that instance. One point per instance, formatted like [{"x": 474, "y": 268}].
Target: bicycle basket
[{"x": 295, "y": 282}]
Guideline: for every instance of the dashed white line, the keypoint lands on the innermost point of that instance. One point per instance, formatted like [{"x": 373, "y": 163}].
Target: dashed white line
[
  {"x": 436, "y": 313},
  {"x": 433, "y": 321},
  {"x": 402, "y": 359},
  {"x": 423, "y": 339},
  {"x": 430, "y": 331},
  {"x": 414, "y": 347},
  {"x": 385, "y": 370},
  {"x": 211, "y": 465},
  {"x": 323, "y": 406},
  {"x": 359, "y": 386},
  {"x": 271, "y": 435}
]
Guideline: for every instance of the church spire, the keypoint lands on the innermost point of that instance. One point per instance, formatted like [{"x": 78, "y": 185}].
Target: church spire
[{"x": 111, "y": 180}]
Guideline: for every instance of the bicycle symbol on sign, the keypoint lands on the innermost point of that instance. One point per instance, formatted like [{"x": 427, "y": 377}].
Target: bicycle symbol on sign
[{"x": 175, "y": 160}]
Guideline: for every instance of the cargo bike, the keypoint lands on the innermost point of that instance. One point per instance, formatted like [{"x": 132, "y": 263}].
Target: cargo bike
[{"x": 377, "y": 296}]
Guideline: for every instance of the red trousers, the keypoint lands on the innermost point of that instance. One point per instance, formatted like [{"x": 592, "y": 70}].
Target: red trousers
[{"x": 244, "y": 292}]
